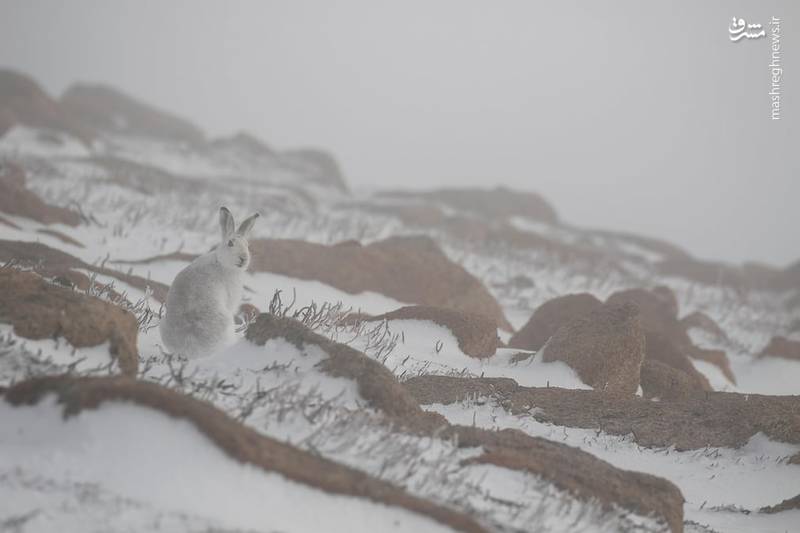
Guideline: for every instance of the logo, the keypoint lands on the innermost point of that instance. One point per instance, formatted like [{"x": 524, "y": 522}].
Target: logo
[{"x": 739, "y": 29}]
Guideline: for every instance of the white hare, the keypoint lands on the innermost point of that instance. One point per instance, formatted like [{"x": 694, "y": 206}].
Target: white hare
[{"x": 205, "y": 295}]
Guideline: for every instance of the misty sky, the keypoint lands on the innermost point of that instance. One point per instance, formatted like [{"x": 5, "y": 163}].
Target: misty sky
[{"x": 631, "y": 115}]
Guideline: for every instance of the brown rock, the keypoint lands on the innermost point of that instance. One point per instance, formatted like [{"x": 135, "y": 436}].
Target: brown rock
[
  {"x": 665, "y": 382},
  {"x": 476, "y": 334},
  {"x": 549, "y": 317},
  {"x": 667, "y": 339},
  {"x": 40, "y": 310},
  {"x": 409, "y": 269},
  {"x": 594, "y": 480},
  {"x": 605, "y": 347},
  {"x": 783, "y": 348},
  {"x": 786, "y": 505},
  {"x": 719, "y": 419},
  {"x": 662, "y": 350},
  {"x": 60, "y": 236},
  {"x": 22, "y": 101},
  {"x": 658, "y": 309},
  {"x": 715, "y": 357},
  {"x": 703, "y": 322},
  {"x": 100, "y": 107},
  {"x": 15, "y": 199},
  {"x": 376, "y": 384},
  {"x": 577, "y": 472},
  {"x": 236, "y": 440},
  {"x": 53, "y": 263}
]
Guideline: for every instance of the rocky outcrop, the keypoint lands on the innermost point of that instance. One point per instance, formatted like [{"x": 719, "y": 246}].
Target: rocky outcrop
[
  {"x": 59, "y": 265},
  {"x": 595, "y": 480},
  {"x": 409, "y": 269},
  {"x": 549, "y": 317},
  {"x": 104, "y": 108},
  {"x": 666, "y": 337},
  {"x": 236, "y": 440},
  {"x": 16, "y": 199},
  {"x": 41, "y": 310},
  {"x": 22, "y": 101},
  {"x": 783, "y": 348},
  {"x": 376, "y": 384},
  {"x": 605, "y": 347},
  {"x": 719, "y": 419},
  {"x": 476, "y": 334}
]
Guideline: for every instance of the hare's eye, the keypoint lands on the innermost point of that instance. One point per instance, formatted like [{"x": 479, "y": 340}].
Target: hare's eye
[{"x": 230, "y": 243}]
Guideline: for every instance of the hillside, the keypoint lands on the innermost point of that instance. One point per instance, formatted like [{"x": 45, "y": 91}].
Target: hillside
[{"x": 444, "y": 360}]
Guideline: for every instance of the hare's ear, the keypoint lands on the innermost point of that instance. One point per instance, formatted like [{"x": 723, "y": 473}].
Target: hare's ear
[
  {"x": 247, "y": 225},
  {"x": 226, "y": 223}
]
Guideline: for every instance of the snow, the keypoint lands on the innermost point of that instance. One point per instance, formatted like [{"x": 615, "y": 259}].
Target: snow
[
  {"x": 426, "y": 347},
  {"x": 750, "y": 477},
  {"x": 106, "y": 467},
  {"x": 25, "y": 141},
  {"x": 145, "y": 457}
]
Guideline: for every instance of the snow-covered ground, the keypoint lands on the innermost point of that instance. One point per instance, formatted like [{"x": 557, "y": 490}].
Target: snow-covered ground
[{"x": 99, "y": 467}]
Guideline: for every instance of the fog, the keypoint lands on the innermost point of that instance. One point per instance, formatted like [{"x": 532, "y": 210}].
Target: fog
[{"x": 638, "y": 116}]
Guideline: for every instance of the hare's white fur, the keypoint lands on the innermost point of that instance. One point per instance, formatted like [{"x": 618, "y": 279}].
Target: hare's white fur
[{"x": 205, "y": 295}]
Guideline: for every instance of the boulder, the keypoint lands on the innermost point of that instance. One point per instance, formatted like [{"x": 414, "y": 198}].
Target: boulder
[
  {"x": 549, "y": 317},
  {"x": 665, "y": 382},
  {"x": 409, "y": 269},
  {"x": 38, "y": 309},
  {"x": 605, "y": 347},
  {"x": 662, "y": 350},
  {"x": 667, "y": 339},
  {"x": 476, "y": 334}
]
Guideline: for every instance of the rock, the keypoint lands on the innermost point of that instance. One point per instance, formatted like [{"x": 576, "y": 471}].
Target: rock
[
  {"x": 667, "y": 339},
  {"x": 15, "y": 199},
  {"x": 409, "y": 269},
  {"x": 104, "y": 108},
  {"x": 41, "y": 310},
  {"x": 716, "y": 419},
  {"x": 476, "y": 334},
  {"x": 376, "y": 384},
  {"x": 549, "y": 317},
  {"x": 234, "y": 439},
  {"x": 53, "y": 263},
  {"x": 658, "y": 309},
  {"x": 605, "y": 347},
  {"x": 717, "y": 358},
  {"x": 22, "y": 101},
  {"x": 594, "y": 480},
  {"x": 665, "y": 382},
  {"x": 786, "y": 505},
  {"x": 662, "y": 350},
  {"x": 703, "y": 322},
  {"x": 783, "y": 348}
]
